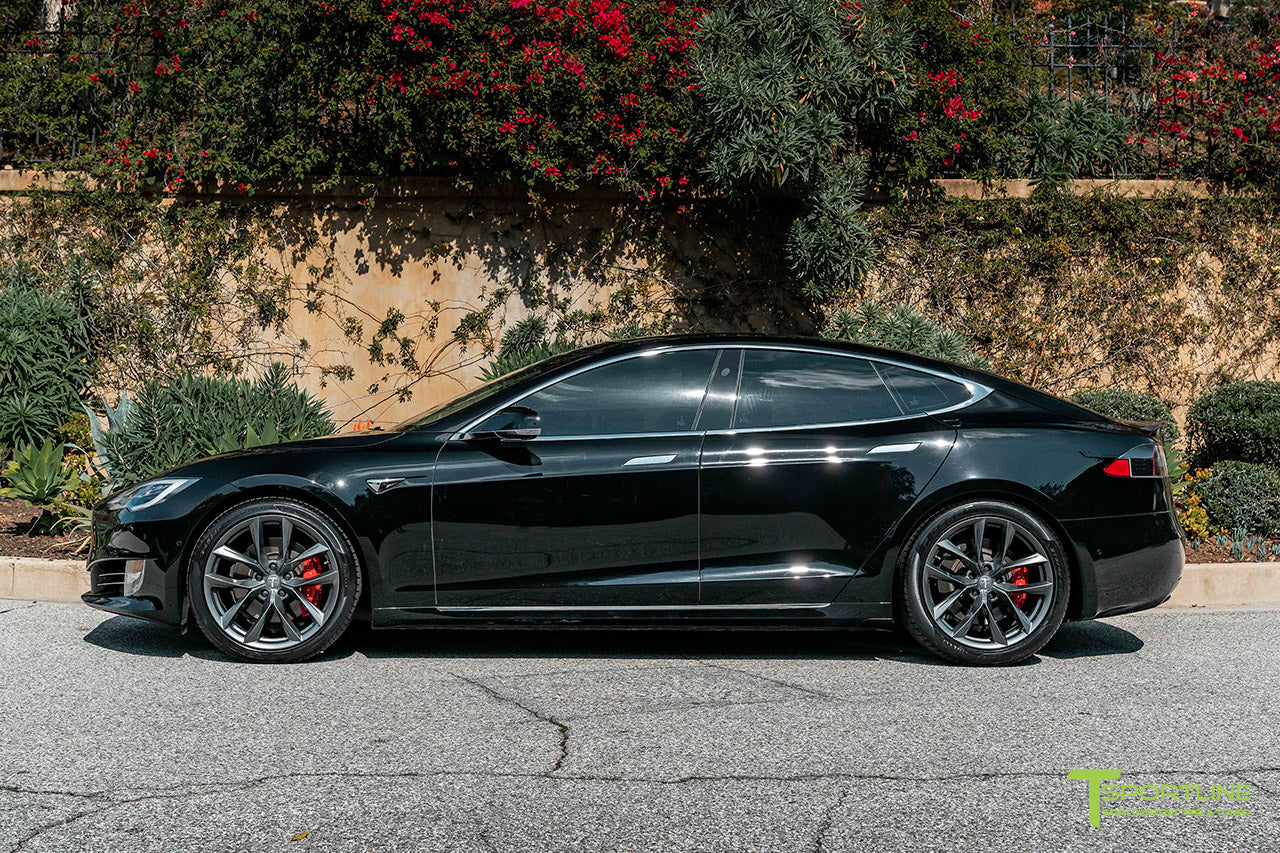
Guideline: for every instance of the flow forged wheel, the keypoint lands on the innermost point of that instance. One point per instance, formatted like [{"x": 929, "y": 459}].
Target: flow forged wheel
[
  {"x": 273, "y": 580},
  {"x": 984, "y": 583}
]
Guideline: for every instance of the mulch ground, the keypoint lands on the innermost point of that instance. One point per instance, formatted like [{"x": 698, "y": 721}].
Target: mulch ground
[
  {"x": 1212, "y": 552},
  {"x": 16, "y": 518}
]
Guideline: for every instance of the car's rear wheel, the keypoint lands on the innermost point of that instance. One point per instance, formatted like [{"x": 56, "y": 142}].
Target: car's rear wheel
[
  {"x": 273, "y": 579},
  {"x": 984, "y": 583}
]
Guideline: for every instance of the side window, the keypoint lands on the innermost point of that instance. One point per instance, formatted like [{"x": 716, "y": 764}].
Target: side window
[
  {"x": 648, "y": 393},
  {"x": 923, "y": 392},
  {"x": 783, "y": 388}
]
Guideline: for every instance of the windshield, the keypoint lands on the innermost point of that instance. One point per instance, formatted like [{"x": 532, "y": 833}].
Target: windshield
[{"x": 492, "y": 388}]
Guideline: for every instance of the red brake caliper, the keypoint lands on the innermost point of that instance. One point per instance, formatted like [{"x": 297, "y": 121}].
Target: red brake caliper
[
  {"x": 1019, "y": 578},
  {"x": 311, "y": 568}
]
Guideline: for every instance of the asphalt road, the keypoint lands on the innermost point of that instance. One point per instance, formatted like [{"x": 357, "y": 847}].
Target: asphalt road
[{"x": 119, "y": 735}]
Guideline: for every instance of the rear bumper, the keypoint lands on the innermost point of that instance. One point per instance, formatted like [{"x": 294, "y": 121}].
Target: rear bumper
[{"x": 1127, "y": 563}]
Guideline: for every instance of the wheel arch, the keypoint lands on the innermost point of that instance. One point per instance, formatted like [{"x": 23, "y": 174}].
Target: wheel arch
[
  {"x": 305, "y": 492},
  {"x": 1027, "y": 499}
]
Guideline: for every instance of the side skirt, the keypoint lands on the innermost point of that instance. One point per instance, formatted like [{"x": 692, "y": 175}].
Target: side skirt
[{"x": 654, "y": 616}]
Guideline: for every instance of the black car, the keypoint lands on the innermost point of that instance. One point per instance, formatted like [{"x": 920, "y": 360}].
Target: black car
[{"x": 697, "y": 480}]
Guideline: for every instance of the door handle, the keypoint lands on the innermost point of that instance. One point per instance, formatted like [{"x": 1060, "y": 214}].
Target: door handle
[
  {"x": 895, "y": 448},
  {"x": 649, "y": 460}
]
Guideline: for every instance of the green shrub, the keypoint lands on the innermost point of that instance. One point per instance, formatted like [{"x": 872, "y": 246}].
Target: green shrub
[
  {"x": 530, "y": 341},
  {"x": 45, "y": 356},
  {"x": 1242, "y": 495},
  {"x": 523, "y": 344},
  {"x": 1239, "y": 422},
  {"x": 902, "y": 328},
  {"x": 169, "y": 424},
  {"x": 1125, "y": 405}
]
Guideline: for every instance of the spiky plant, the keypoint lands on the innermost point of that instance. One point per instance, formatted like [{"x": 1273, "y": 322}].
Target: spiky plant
[{"x": 899, "y": 327}]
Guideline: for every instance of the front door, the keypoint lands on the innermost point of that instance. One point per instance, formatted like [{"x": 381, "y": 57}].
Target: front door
[{"x": 599, "y": 511}]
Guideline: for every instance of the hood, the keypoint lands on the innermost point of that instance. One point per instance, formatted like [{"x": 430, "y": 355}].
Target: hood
[{"x": 252, "y": 459}]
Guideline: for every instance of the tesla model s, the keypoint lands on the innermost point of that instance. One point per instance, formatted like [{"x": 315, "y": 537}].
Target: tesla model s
[{"x": 696, "y": 480}]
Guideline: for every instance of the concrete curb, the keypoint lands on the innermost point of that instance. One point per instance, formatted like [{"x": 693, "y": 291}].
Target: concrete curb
[
  {"x": 1227, "y": 585},
  {"x": 37, "y": 579},
  {"x": 1203, "y": 584}
]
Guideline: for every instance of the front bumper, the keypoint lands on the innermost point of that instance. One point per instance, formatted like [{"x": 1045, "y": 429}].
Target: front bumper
[
  {"x": 1127, "y": 563},
  {"x": 160, "y": 536}
]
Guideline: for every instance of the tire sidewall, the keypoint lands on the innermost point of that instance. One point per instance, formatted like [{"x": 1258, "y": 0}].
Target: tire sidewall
[
  {"x": 919, "y": 622},
  {"x": 344, "y": 560}
]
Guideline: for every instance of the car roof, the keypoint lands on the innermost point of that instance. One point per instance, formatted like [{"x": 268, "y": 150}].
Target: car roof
[
  {"x": 620, "y": 347},
  {"x": 1026, "y": 393}
]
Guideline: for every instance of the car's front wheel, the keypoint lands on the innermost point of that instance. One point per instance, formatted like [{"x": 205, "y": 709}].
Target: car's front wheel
[
  {"x": 984, "y": 583},
  {"x": 273, "y": 580}
]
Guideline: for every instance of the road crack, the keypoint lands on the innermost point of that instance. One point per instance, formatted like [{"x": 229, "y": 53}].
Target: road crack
[
  {"x": 108, "y": 800},
  {"x": 828, "y": 818},
  {"x": 774, "y": 681},
  {"x": 533, "y": 712}
]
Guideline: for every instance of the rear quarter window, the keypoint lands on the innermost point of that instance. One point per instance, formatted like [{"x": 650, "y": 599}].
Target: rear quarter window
[{"x": 922, "y": 392}]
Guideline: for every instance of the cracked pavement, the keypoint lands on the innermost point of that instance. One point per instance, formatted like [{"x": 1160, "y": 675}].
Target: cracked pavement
[{"x": 121, "y": 735}]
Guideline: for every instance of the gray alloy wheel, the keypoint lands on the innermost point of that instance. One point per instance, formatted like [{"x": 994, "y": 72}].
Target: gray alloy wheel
[
  {"x": 273, "y": 580},
  {"x": 984, "y": 583}
]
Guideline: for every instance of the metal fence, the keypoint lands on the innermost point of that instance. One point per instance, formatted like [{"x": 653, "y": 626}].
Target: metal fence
[
  {"x": 1111, "y": 58},
  {"x": 48, "y": 125}
]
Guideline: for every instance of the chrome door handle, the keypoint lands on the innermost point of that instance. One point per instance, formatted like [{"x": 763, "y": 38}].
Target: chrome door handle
[
  {"x": 650, "y": 460},
  {"x": 894, "y": 448}
]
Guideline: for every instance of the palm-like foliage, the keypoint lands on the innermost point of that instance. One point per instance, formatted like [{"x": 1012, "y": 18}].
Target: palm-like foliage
[
  {"x": 36, "y": 475},
  {"x": 45, "y": 353}
]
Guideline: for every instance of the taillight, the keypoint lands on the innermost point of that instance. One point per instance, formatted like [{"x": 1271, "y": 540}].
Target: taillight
[
  {"x": 1146, "y": 460},
  {"x": 1119, "y": 468}
]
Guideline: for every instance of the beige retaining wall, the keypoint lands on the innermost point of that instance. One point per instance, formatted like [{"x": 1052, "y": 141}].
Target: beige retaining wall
[{"x": 431, "y": 253}]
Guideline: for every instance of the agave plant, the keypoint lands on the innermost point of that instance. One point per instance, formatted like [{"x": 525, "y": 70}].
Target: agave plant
[{"x": 36, "y": 475}]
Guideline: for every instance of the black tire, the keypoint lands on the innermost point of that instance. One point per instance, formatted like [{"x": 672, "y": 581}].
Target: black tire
[
  {"x": 977, "y": 642},
  {"x": 334, "y": 603}
]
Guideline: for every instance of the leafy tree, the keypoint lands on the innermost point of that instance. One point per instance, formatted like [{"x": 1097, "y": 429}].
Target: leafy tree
[{"x": 788, "y": 90}]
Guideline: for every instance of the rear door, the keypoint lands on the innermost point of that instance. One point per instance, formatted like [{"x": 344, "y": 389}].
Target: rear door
[{"x": 809, "y": 459}]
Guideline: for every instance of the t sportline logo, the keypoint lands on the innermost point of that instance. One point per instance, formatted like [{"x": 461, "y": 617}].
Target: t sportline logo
[{"x": 1170, "y": 799}]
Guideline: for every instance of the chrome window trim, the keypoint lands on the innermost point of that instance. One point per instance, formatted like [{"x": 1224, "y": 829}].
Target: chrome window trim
[{"x": 977, "y": 391}]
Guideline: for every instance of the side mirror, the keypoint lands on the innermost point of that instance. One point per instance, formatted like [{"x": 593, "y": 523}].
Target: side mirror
[{"x": 515, "y": 423}]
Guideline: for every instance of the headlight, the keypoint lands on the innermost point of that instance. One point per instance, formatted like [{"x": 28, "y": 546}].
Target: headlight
[{"x": 149, "y": 494}]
